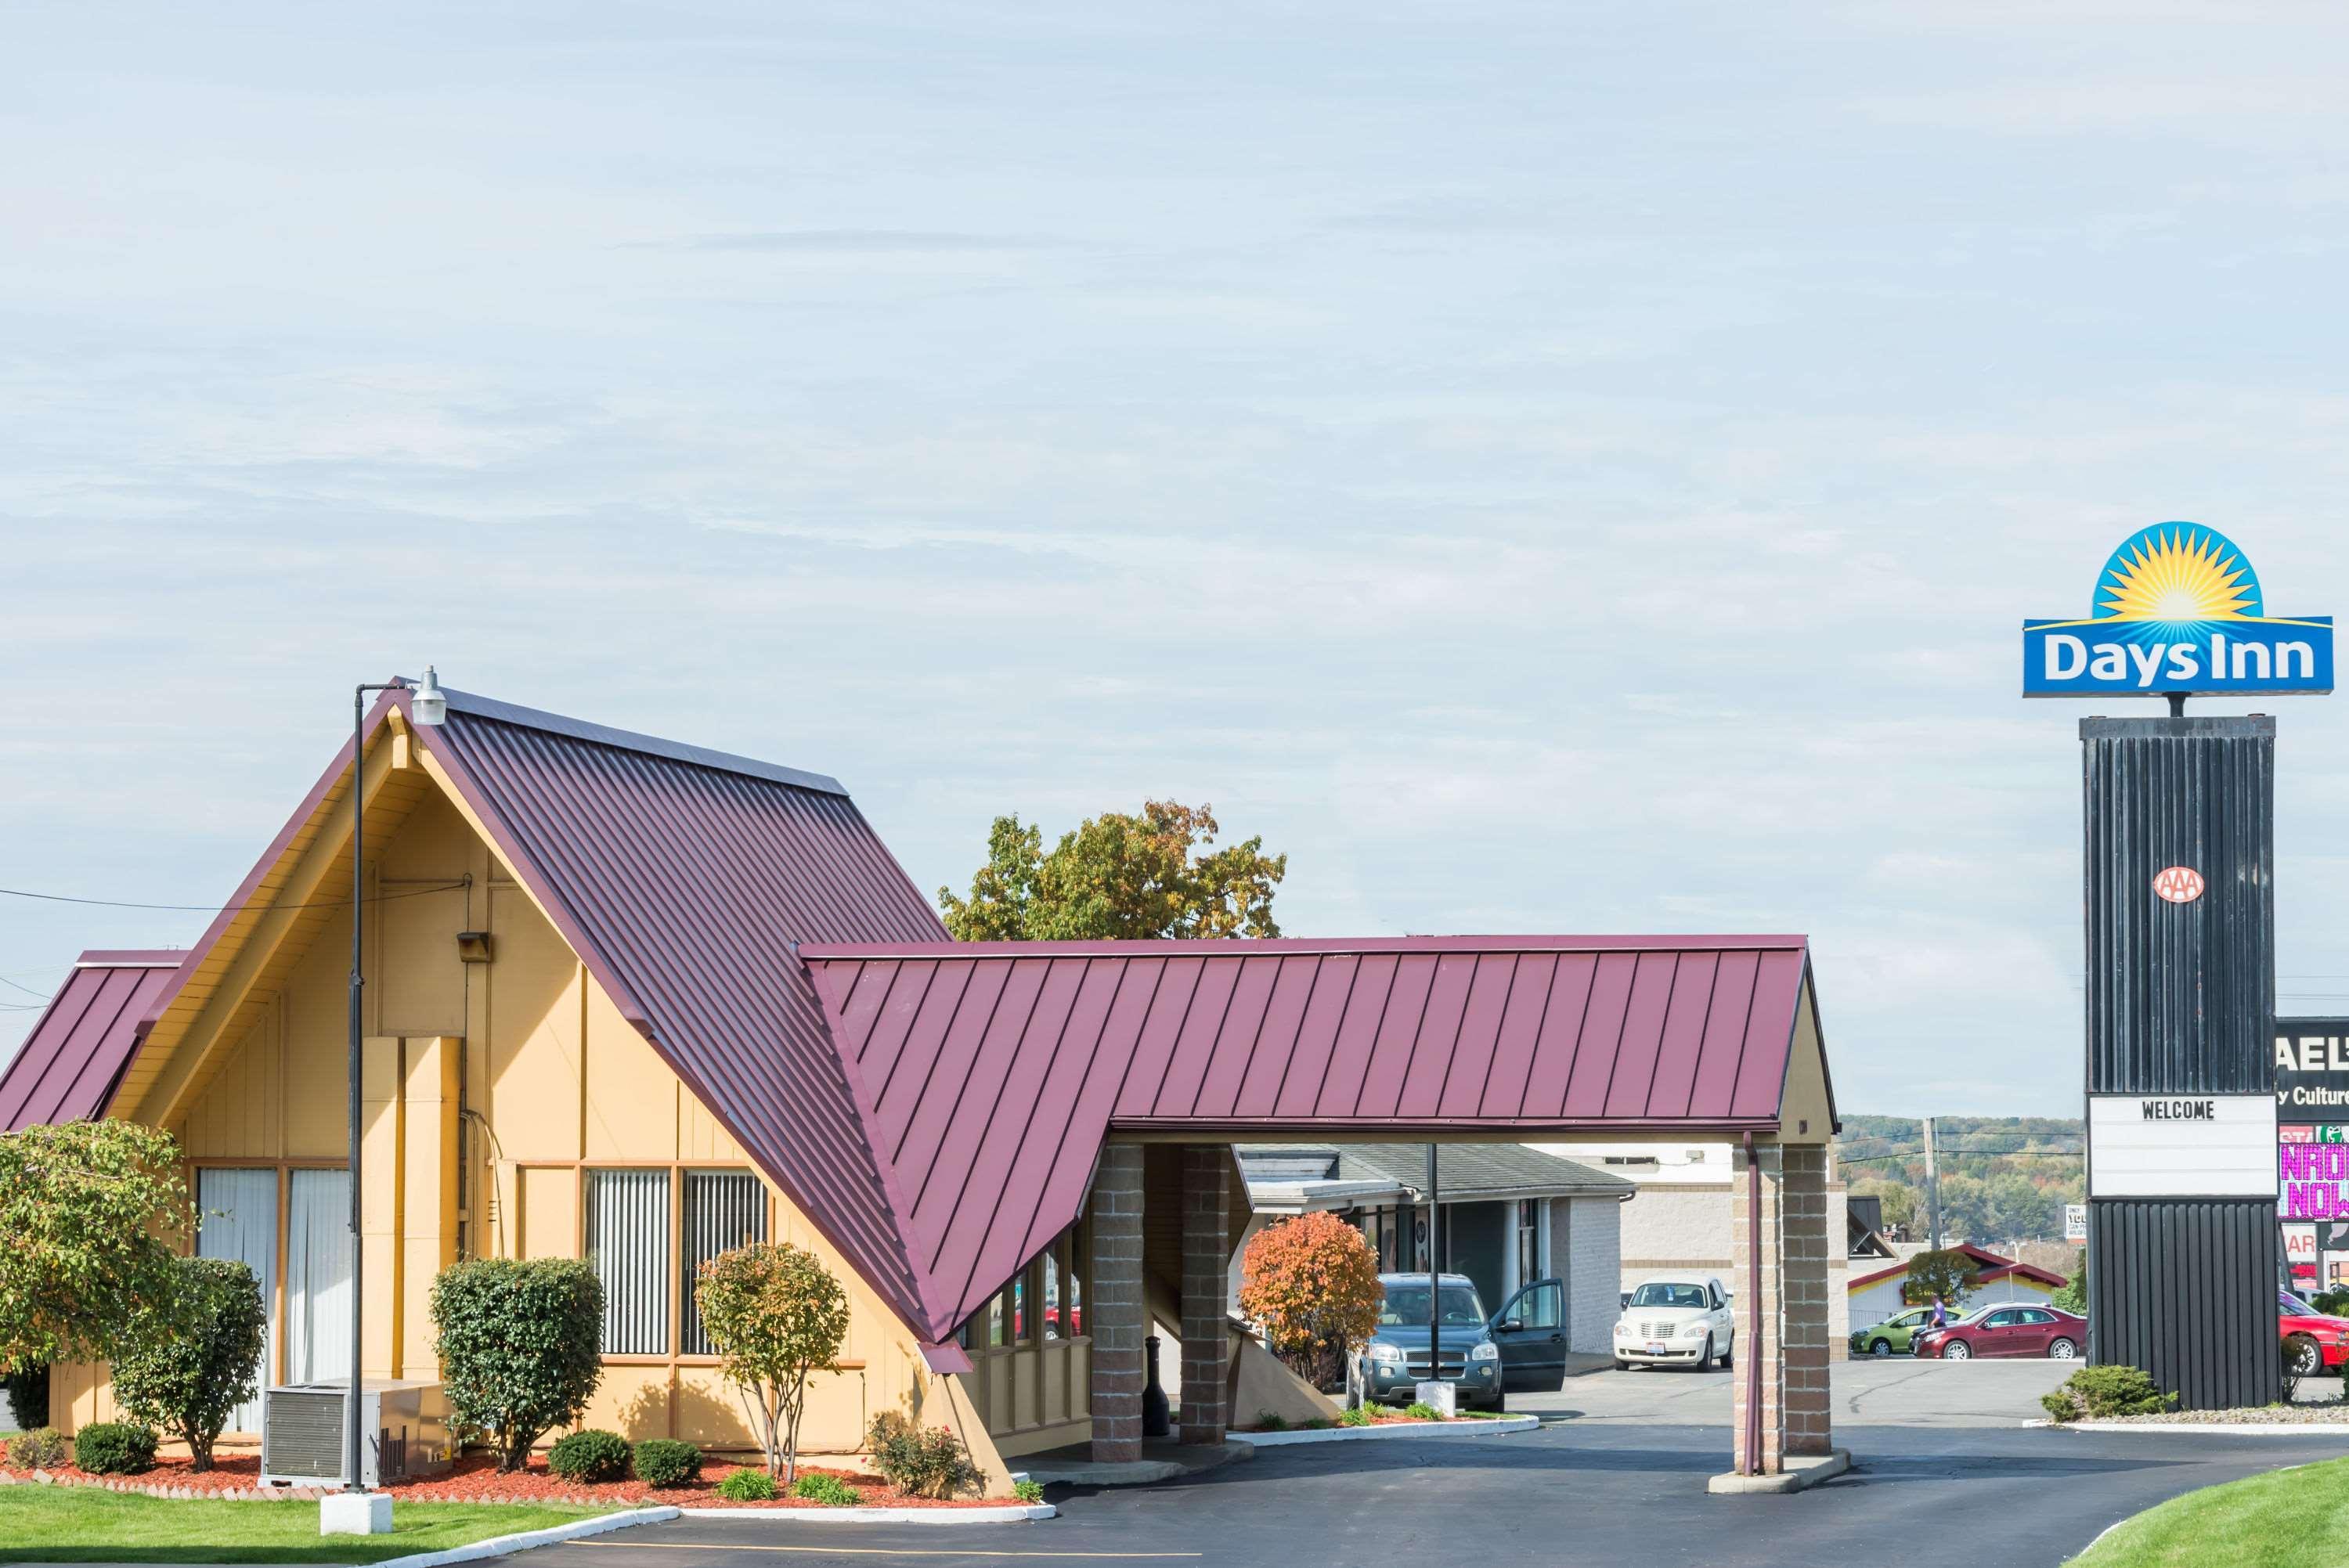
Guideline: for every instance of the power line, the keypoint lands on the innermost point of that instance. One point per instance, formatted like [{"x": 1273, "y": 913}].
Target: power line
[{"x": 465, "y": 881}]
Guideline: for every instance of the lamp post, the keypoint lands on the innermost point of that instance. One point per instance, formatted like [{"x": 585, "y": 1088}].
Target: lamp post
[{"x": 426, "y": 706}]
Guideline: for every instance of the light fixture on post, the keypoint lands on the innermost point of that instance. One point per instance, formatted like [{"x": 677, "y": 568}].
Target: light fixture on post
[{"x": 355, "y": 1511}]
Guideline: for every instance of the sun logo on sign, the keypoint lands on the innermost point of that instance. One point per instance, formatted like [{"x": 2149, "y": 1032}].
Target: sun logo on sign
[
  {"x": 2179, "y": 885},
  {"x": 2177, "y": 572}
]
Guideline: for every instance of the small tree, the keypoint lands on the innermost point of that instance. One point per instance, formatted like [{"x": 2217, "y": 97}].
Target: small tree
[
  {"x": 521, "y": 1347},
  {"x": 90, "y": 1211},
  {"x": 1948, "y": 1274},
  {"x": 195, "y": 1357},
  {"x": 2072, "y": 1297},
  {"x": 1312, "y": 1284},
  {"x": 776, "y": 1316}
]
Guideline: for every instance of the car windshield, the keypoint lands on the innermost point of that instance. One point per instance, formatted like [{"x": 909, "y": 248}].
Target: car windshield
[
  {"x": 1406, "y": 1304},
  {"x": 1668, "y": 1292},
  {"x": 2289, "y": 1303}
]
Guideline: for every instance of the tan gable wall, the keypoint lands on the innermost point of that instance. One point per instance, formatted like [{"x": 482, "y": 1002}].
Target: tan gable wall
[{"x": 550, "y": 1080}]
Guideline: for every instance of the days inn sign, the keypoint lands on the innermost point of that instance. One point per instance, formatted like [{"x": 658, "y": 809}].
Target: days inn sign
[{"x": 2178, "y": 610}]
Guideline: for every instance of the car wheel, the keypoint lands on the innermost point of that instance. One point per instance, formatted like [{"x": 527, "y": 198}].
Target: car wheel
[
  {"x": 1956, "y": 1350},
  {"x": 2062, "y": 1350},
  {"x": 1709, "y": 1359},
  {"x": 1500, "y": 1405},
  {"x": 2301, "y": 1355},
  {"x": 1728, "y": 1354},
  {"x": 1621, "y": 1365},
  {"x": 1879, "y": 1346}
]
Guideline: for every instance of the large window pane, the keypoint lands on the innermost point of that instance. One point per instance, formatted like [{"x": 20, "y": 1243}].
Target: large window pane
[
  {"x": 318, "y": 1275},
  {"x": 627, "y": 1241},
  {"x": 723, "y": 1210},
  {"x": 237, "y": 1218}
]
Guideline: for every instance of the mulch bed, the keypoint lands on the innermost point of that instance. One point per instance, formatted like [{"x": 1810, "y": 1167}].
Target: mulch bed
[{"x": 475, "y": 1479}]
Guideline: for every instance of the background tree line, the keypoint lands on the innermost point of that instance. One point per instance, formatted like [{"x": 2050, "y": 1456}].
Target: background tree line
[{"x": 2004, "y": 1178}]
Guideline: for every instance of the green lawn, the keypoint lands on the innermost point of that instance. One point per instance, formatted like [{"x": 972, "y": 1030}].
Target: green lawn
[
  {"x": 2286, "y": 1519},
  {"x": 83, "y": 1524}
]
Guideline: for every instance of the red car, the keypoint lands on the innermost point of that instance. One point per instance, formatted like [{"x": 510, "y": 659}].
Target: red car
[
  {"x": 2312, "y": 1341},
  {"x": 2006, "y": 1331}
]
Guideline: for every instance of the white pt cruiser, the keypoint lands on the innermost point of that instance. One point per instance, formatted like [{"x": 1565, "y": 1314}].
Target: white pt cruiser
[{"x": 1680, "y": 1320}]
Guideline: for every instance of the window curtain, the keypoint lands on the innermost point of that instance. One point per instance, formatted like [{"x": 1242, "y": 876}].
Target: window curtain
[
  {"x": 723, "y": 1210},
  {"x": 317, "y": 1276},
  {"x": 237, "y": 1219},
  {"x": 627, "y": 1241}
]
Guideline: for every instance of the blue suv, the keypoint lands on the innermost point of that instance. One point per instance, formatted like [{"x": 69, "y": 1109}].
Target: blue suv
[{"x": 1478, "y": 1355}]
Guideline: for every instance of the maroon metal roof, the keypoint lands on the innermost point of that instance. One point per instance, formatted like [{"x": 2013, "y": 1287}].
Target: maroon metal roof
[
  {"x": 997, "y": 1069},
  {"x": 683, "y": 879},
  {"x": 68, "y": 1067}
]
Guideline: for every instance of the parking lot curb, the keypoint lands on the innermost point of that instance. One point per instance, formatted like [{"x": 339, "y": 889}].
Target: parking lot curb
[
  {"x": 1493, "y": 1428},
  {"x": 2230, "y": 1428},
  {"x": 1805, "y": 1470},
  {"x": 1009, "y": 1513}
]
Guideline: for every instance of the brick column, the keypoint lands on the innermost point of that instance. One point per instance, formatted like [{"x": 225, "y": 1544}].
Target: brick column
[
  {"x": 1206, "y": 1281},
  {"x": 1757, "y": 1341},
  {"x": 1803, "y": 1268},
  {"x": 1784, "y": 1334},
  {"x": 1115, "y": 1310}
]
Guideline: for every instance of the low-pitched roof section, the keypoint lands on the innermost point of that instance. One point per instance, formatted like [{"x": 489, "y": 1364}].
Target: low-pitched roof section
[
  {"x": 68, "y": 1067},
  {"x": 997, "y": 1070}
]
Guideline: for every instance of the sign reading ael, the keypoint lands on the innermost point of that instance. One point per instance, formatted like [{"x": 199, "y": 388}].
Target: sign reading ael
[{"x": 2177, "y": 609}]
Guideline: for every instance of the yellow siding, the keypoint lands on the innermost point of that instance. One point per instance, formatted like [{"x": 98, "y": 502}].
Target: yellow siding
[{"x": 486, "y": 1088}]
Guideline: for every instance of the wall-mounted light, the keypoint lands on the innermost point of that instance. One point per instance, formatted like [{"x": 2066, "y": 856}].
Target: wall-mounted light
[{"x": 474, "y": 946}]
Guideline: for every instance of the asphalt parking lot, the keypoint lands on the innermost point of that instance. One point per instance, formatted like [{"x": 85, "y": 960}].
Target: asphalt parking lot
[{"x": 1616, "y": 1475}]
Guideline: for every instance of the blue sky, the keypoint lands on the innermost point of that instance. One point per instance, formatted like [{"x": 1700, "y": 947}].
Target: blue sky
[{"x": 1546, "y": 467}]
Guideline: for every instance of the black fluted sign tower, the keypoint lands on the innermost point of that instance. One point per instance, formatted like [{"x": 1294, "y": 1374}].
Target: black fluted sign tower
[{"x": 2180, "y": 861}]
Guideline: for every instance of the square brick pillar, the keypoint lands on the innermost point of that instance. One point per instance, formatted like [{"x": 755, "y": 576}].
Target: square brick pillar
[
  {"x": 1781, "y": 1337},
  {"x": 1207, "y": 1282},
  {"x": 1802, "y": 1273},
  {"x": 1116, "y": 1315}
]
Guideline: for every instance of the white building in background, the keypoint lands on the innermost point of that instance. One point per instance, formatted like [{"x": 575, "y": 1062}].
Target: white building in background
[{"x": 1679, "y": 1221}]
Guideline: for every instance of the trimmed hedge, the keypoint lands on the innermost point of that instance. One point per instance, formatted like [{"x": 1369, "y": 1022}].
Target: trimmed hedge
[
  {"x": 114, "y": 1447},
  {"x": 521, "y": 1347},
  {"x": 194, "y": 1357},
  {"x": 665, "y": 1462},
  {"x": 593, "y": 1456}
]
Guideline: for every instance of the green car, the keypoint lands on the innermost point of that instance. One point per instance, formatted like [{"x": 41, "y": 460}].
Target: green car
[{"x": 1891, "y": 1335}]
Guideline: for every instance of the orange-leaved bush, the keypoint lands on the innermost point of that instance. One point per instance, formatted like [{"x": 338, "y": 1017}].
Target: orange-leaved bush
[{"x": 1312, "y": 1284}]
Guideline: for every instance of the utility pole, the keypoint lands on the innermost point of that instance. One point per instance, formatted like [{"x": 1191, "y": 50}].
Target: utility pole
[{"x": 1932, "y": 1187}]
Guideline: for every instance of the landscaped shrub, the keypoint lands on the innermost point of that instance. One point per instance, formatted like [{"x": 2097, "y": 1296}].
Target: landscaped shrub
[
  {"x": 1028, "y": 1490},
  {"x": 194, "y": 1354},
  {"x": 92, "y": 1211},
  {"x": 776, "y": 1316},
  {"x": 748, "y": 1486},
  {"x": 2331, "y": 1302},
  {"x": 1419, "y": 1410},
  {"x": 920, "y": 1462},
  {"x": 43, "y": 1448},
  {"x": 1357, "y": 1417},
  {"x": 2095, "y": 1393},
  {"x": 1312, "y": 1284},
  {"x": 664, "y": 1461},
  {"x": 28, "y": 1394},
  {"x": 520, "y": 1345},
  {"x": 114, "y": 1447},
  {"x": 1271, "y": 1421},
  {"x": 830, "y": 1490},
  {"x": 593, "y": 1456}
]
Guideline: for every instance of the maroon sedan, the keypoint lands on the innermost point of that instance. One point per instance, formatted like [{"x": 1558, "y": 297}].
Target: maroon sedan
[{"x": 2006, "y": 1331}]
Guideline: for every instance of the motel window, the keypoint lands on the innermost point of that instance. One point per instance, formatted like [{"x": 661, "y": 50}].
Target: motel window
[
  {"x": 1528, "y": 1240},
  {"x": 723, "y": 1210},
  {"x": 628, "y": 1244},
  {"x": 1045, "y": 1301}
]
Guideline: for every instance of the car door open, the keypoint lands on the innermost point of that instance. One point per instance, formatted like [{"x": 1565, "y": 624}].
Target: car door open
[{"x": 1531, "y": 1333}]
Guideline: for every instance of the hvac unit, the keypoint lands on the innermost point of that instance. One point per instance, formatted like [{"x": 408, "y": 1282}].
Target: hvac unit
[{"x": 403, "y": 1433}]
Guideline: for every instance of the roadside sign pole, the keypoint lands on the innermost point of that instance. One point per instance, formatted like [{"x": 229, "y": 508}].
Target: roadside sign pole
[{"x": 1932, "y": 1187}]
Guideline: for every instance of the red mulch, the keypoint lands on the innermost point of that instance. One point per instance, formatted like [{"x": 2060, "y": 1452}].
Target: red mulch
[{"x": 474, "y": 1478}]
